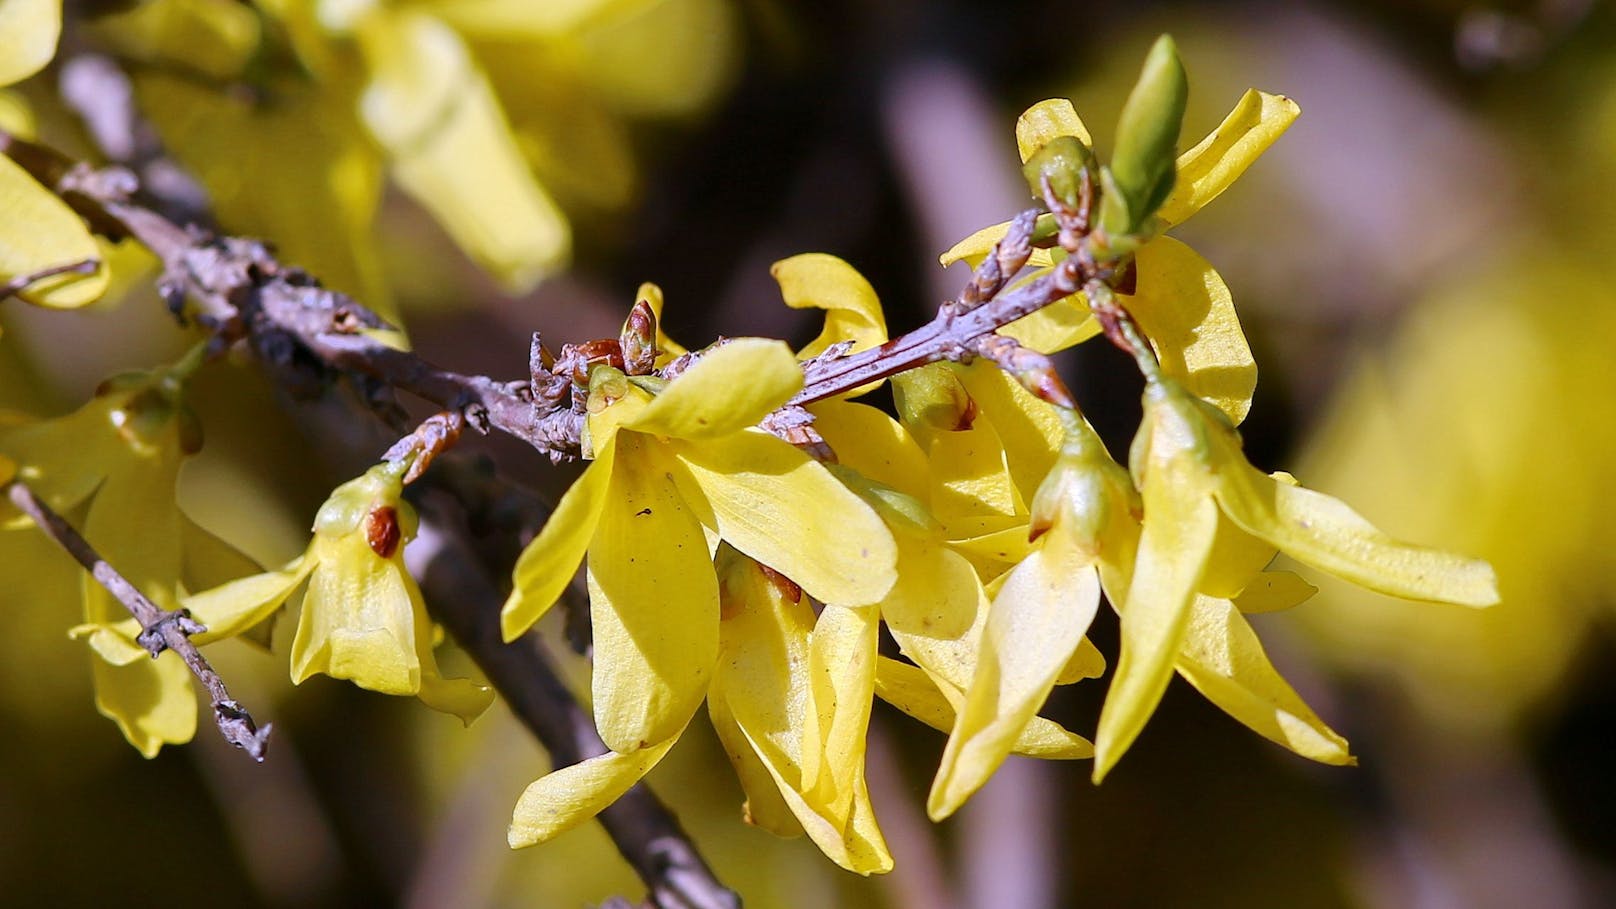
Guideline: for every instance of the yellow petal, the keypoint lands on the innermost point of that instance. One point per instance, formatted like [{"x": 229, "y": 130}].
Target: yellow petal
[
  {"x": 307, "y": 143},
  {"x": 1087, "y": 662},
  {"x": 564, "y": 798},
  {"x": 1222, "y": 657},
  {"x": 944, "y": 644},
  {"x": 431, "y": 107},
  {"x": 1272, "y": 591},
  {"x": 852, "y": 310},
  {"x": 464, "y": 698},
  {"x": 134, "y": 524},
  {"x": 1323, "y": 532},
  {"x": 761, "y": 685},
  {"x": 917, "y": 694},
  {"x": 357, "y": 621},
  {"x": 1030, "y": 429},
  {"x": 1206, "y": 170},
  {"x": 152, "y": 701},
  {"x": 730, "y": 388},
  {"x": 973, "y": 249},
  {"x": 1047, "y": 120},
  {"x": 1067, "y": 322},
  {"x": 937, "y": 590},
  {"x": 767, "y": 679},
  {"x": 653, "y": 604},
  {"x": 872, "y": 443},
  {"x": 231, "y": 608},
  {"x": 841, "y": 674},
  {"x": 971, "y": 475},
  {"x": 28, "y": 33},
  {"x": 65, "y": 459},
  {"x": 930, "y": 400},
  {"x": 772, "y": 502},
  {"x": 1033, "y": 628},
  {"x": 39, "y": 232},
  {"x": 1180, "y": 522},
  {"x": 997, "y": 539},
  {"x": 1237, "y": 559},
  {"x": 764, "y": 808},
  {"x": 549, "y": 562},
  {"x": 1187, "y": 312},
  {"x": 854, "y": 843}
]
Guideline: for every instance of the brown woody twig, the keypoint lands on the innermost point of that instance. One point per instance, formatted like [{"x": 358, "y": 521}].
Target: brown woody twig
[{"x": 160, "y": 629}]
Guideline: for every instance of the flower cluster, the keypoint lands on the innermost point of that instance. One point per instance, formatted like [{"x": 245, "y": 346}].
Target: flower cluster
[
  {"x": 498, "y": 118},
  {"x": 980, "y": 528},
  {"x": 749, "y": 538}
]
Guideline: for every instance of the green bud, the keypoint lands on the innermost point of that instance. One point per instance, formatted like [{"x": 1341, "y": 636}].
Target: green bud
[
  {"x": 1143, "y": 165},
  {"x": 1062, "y": 160},
  {"x": 1086, "y": 496}
]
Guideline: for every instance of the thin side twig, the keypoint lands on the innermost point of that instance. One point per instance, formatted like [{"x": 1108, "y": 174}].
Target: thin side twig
[{"x": 161, "y": 629}]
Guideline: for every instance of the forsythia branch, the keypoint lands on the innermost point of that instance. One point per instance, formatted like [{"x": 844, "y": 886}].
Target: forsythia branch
[{"x": 161, "y": 629}]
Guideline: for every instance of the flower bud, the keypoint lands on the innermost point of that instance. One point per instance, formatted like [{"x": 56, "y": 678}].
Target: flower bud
[
  {"x": 1086, "y": 495},
  {"x": 373, "y": 504}
]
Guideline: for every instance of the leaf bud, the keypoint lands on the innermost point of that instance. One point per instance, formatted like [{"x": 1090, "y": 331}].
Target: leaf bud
[
  {"x": 1061, "y": 160},
  {"x": 638, "y": 340},
  {"x": 1143, "y": 164}
]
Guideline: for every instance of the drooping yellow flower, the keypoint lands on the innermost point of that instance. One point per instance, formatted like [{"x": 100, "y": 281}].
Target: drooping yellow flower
[
  {"x": 1086, "y": 530},
  {"x": 1188, "y": 463},
  {"x": 121, "y": 452},
  {"x": 791, "y": 704},
  {"x": 362, "y": 617},
  {"x": 664, "y": 468}
]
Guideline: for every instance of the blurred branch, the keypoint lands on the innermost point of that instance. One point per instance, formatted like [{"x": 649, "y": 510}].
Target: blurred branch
[
  {"x": 462, "y": 596},
  {"x": 160, "y": 629},
  {"x": 99, "y": 91},
  {"x": 20, "y": 283},
  {"x": 307, "y": 332}
]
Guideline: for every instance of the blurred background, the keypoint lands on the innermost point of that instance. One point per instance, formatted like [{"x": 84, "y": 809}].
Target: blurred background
[{"x": 1422, "y": 265}]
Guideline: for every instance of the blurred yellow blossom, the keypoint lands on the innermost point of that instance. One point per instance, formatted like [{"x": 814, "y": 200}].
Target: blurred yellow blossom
[
  {"x": 121, "y": 452},
  {"x": 38, "y": 231}
]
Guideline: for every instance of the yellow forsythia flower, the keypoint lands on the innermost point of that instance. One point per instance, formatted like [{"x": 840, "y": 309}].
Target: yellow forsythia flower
[
  {"x": 664, "y": 468},
  {"x": 362, "y": 618},
  {"x": 1188, "y": 463},
  {"x": 121, "y": 453},
  {"x": 1086, "y": 529}
]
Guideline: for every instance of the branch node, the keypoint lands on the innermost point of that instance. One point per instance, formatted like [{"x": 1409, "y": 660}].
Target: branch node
[{"x": 154, "y": 635}]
